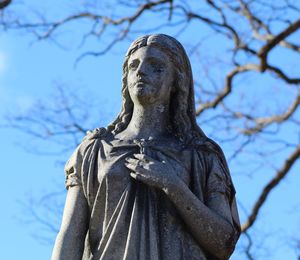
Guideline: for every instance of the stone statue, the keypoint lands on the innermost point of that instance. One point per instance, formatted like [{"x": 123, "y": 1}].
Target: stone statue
[{"x": 151, "y": 185}]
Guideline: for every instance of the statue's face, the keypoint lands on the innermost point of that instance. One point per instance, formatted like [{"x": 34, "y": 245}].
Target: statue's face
[{"x": 150, "y": 76}]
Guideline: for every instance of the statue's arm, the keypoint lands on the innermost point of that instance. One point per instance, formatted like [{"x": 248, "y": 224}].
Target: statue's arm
[
  {"x": 70, "y": 240},
  {"x": 211, "y": 224}
]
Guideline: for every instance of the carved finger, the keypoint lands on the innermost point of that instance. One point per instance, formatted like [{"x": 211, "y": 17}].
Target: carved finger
[
  {"x": 134, "y": 166},
  {"x": 134, "y": 175},
  {"x": 141, "y": 174},
  {"x": 134, "y": 161},
  {"x": 144, "y": 157}
]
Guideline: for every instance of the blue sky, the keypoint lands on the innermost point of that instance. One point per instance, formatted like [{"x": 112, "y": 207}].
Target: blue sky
[{"x": 27, "y": 73}]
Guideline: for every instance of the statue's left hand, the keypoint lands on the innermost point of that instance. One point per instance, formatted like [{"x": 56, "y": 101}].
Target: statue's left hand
[{"x": 159, "y": 174}]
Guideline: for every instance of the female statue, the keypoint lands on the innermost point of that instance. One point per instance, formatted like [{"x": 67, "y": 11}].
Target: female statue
[{"x": 151, "y": 185}]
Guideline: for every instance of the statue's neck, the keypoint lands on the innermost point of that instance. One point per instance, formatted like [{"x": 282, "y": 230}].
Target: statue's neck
[{"x": 151, "y": 120}]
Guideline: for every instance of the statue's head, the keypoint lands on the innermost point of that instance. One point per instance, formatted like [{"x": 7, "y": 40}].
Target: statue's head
[{"x": 182, "y": 111}]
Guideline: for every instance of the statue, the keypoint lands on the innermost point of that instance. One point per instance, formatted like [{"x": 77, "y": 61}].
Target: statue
[{"x": 151, "y": 185}]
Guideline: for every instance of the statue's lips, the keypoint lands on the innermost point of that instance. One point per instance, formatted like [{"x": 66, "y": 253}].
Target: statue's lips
[{"x": 140, "y": 83}]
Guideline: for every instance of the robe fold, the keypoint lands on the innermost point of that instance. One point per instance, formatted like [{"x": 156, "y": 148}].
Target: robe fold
[{"x": 129, "y": 220}]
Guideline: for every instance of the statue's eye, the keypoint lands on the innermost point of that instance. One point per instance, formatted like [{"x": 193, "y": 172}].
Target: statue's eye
[
  {"x": 132, "y": 65},
  {"x": 158, "y": 67}
]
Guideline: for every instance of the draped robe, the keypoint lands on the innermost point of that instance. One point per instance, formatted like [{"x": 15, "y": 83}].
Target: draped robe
[{"x": 130, "y": 220}]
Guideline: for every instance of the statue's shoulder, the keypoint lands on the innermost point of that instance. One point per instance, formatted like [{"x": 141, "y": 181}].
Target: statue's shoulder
[
  {"x": 90, "y": 138},
  {"x": 205, "y": 144},
  {"x": 97, "y": 133},
  {"x": 88, "y": 142},
  {"x": 210, "y": 148}
]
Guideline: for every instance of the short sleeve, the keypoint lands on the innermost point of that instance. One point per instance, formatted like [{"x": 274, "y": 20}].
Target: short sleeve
[
  {"x": 217, "y": 180},
  {"x": 72, "y": 170},
  {"x": 219, "y": 183}
]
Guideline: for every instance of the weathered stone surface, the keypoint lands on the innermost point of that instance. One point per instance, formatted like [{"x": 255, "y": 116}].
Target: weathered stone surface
[{"x": 151, "y": 185}]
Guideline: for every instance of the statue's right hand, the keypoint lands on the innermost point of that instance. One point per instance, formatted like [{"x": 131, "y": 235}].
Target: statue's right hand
[{"x": 155, "y": 173}]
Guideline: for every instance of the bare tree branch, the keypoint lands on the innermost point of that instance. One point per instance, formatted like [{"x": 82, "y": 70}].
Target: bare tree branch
[
  {"x": 250, "y": 243},
  {"x": 282, "y": 75},
  {"x": 224, "y": 25},
  {"x": 263, "y": 122},
  {"x": 264, "y": 51},
  {"x": 228, "y": 87},
  {"x": 59, "y": 121},
  {"x": 285, "y": 169}
]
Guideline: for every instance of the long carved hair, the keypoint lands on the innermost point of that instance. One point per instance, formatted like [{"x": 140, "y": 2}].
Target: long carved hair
[{"x": 182, "y": 104}]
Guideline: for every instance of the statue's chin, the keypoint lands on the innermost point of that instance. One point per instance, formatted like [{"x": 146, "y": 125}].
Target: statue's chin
[{"x": 143, "y": 94}]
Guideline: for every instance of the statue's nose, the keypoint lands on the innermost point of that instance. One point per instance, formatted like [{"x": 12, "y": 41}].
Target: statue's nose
[{"x": 141, "y": 70}]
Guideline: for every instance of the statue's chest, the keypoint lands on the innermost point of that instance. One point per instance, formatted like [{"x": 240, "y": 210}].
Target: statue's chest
[{"x": 112, "y": 167}]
